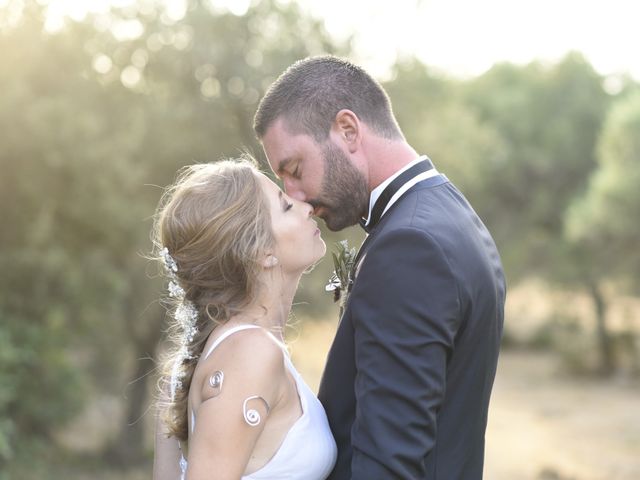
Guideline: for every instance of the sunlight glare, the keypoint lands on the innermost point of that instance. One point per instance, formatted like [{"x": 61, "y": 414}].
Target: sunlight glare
[
  {"x": 236, "y": 7},
  {"x": 130, "y": 76},
  {"x": 102, "y": 63},
  {"x": 176, "y": 10},
  {"x": 127, "y": 29}
]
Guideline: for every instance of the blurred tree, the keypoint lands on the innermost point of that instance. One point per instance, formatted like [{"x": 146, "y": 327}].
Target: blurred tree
[
  {"x": 89, "y": 116},
  {"x": 199, "y": 79},
  {"x": 436, "y": 121},
  {"x": 603, "y": 224},
  {"x": 68, "y": 181},
  {"x": 549, "y": 119},
  {"x": 607, "y": 217},
  {"x": 95, "y": 115}
]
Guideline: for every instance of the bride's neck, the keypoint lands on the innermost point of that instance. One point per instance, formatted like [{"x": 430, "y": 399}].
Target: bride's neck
[{"x": 273, "y": 307}]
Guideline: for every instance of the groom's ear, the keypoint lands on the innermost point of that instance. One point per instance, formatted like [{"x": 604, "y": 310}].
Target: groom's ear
[{"x": 347, "y": 126}]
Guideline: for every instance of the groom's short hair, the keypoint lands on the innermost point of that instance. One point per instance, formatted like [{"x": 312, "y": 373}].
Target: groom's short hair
[{"x": 310, "y": 93}]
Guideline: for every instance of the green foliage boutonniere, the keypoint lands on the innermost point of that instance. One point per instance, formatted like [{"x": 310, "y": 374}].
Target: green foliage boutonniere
[{"x": 342, "y": 278}]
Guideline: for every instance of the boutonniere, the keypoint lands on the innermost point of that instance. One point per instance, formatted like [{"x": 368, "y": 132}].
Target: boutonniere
[{"x": 341, "y": 280}]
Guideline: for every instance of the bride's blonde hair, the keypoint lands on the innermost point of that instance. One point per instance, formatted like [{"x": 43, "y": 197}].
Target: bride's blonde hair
[{"x": 214, "y": 222}]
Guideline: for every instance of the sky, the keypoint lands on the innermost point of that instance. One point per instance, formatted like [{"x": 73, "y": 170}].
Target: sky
[
  {"x": 466, "y": 37},
  {"x": 460, "y": 37}
]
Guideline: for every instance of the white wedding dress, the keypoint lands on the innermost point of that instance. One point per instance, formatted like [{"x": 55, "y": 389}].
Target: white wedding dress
[{"x": 308, "y": 451}]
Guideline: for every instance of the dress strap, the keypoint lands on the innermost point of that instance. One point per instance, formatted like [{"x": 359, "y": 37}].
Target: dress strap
[{"x": 226, "y": 334}]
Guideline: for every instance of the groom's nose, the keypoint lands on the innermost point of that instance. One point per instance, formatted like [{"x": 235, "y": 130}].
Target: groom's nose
[{"x": 292, "y": 188}]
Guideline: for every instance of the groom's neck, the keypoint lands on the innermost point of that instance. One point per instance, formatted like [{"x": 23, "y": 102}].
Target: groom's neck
[{"x": 385, "y": 157}]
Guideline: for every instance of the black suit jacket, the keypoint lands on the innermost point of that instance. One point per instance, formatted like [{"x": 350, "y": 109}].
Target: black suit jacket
[{"x": 407, "y": 382}]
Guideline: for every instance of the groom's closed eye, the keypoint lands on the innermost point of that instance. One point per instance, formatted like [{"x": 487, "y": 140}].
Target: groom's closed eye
[
  {"x": 283, "y": 166},
  {"x": 289, "y": 167}
]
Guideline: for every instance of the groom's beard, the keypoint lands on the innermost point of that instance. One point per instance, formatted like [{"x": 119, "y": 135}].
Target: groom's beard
[{"x": 344, "y": 195}]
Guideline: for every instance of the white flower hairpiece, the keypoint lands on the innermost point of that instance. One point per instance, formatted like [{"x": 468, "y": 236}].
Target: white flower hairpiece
[
  {"x": 175, "y": 290},
  {"x": 186, "y": 315},
  {"x": 168, "y": 260}
]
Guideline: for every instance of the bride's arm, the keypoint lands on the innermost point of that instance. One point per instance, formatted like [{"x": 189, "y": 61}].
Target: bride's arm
[{"x": 222, "y": 440}]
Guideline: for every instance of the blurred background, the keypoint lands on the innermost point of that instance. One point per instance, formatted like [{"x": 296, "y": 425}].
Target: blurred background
[{"x": 531, "y": 108}]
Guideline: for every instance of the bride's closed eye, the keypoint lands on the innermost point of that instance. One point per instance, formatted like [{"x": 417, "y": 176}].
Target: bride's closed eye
[{"x": 286, "y": 206}]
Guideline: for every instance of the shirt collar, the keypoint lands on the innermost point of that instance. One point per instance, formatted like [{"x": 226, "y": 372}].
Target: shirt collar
[{"x": 376, "y": 192}]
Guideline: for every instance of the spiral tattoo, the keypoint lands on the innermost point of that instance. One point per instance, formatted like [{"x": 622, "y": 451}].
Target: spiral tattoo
[{"x": 252, "y": 416}]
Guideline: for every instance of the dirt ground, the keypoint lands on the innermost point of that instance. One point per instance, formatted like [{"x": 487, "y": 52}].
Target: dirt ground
[{"x": 543, "y": 425}]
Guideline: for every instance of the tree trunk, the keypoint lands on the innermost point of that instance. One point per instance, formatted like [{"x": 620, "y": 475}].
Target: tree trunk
[
  {"x": 129, "y": 445},
  {"x": 607, "y": 363}
]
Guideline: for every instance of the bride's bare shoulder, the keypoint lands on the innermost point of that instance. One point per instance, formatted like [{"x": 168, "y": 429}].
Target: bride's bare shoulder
[{"x": 244, "y": 360}]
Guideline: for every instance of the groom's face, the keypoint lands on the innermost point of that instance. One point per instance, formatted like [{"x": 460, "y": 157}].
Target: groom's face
[{"x": 319, "y": 174}]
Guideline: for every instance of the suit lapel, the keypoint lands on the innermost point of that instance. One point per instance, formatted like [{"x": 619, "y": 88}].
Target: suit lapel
[
  {"x": 359, "y": 258},
  {"x": 429, "y": 182}
]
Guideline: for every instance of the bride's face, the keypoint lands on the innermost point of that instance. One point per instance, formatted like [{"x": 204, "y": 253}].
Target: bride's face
[{"x": 298, "y": 242}]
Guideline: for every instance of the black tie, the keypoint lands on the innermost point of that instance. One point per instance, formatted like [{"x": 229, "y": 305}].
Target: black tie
[{"x": 391, "y": 190}]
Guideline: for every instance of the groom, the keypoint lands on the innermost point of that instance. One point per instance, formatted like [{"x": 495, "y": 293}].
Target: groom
[{"x": 408, "y": 378}]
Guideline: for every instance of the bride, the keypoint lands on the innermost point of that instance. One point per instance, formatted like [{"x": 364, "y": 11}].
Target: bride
[{"x": 232, "y": 405}]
